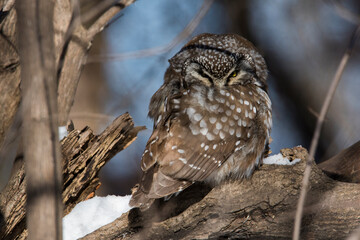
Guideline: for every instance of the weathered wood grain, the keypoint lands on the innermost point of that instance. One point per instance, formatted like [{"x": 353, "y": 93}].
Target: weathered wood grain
[{"x": 84, "y": 154}]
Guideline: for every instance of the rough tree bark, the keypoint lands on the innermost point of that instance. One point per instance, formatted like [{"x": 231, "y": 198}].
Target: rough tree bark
[
  {"x": 84, "y": 154},
  {"x": 9, "y": 86},
  {"x": 262, "y": 207},
  {"x": 9, "y": 69}
]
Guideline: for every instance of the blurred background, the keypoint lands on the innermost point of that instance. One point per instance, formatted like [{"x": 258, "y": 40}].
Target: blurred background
[{"x": 302, "y": 41}]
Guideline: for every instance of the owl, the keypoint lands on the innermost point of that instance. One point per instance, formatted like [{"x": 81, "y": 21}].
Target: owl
[{"x": 212, "y": 118}]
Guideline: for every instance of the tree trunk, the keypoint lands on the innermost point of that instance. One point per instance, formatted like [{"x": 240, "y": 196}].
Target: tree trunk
[{"x": 40, "y": 124}]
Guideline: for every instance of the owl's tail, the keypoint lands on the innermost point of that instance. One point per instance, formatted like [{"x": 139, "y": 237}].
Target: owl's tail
[
  {"x": 139, "y": 199},
  {"x": 154, "y": 184}
]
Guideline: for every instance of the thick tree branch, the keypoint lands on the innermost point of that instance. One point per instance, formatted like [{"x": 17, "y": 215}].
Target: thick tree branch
[
  {"x": 76, "y": 52},
  {"x": 262, "y": 207}
]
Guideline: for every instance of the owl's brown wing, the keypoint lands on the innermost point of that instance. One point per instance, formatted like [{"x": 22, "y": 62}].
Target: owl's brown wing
[
  {"x": 210, "y": 126},
  {"x": 196, "y": 134},
  {"x": 154, "y": 183}
]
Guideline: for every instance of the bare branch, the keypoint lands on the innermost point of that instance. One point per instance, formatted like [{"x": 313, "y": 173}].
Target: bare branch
[
  {"x": 344, "y": 12},
  {"x": 91, "y": 115},
  {"x": 188, "y": 30},
  {"x": 112, "y": 7},
  {"x": 315, "y": 139},
  {"x": 261, "y": 207},
  {"x": 77, "y": 41}
]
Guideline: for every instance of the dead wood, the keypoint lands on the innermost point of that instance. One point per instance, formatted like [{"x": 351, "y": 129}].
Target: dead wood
[
  {"x": 262, "y": 207},
  {"x": 84, "y": 154}
]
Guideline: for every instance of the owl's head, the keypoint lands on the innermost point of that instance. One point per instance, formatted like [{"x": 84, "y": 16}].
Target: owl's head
[{"x": 220, "y": 61}]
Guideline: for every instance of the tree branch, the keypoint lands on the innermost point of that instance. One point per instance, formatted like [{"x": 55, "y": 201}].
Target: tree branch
[
  {"x": 262, "y": 207},
  {"x": 104, "y": 19},
  {"x": 75, "y": 57}
]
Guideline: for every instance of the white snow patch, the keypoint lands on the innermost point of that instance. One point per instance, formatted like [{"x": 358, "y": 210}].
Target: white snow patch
[
  {"x": 92, "y": 214},
  {"x": 278, "y": 159},
  {"x": 62, "y": 132}
]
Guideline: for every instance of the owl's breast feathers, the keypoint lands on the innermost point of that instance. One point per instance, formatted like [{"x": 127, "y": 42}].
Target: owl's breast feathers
[{"x": 203, "y": 134}]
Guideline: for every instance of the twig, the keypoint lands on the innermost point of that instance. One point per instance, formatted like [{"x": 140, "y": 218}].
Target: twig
[
  {"x": 87, "y": 115},
  {"x": 162, "y": 49},
  {"x": 315, "y": 139},
  {"x": 109, "y": 10},
  {"x": 344, "y": 12}
]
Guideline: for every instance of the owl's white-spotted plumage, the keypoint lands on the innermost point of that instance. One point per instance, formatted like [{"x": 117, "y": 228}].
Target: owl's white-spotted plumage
[{"x": 212, "y": 118}]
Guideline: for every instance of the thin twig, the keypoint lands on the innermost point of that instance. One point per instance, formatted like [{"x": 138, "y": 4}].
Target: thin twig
[
  {"x": 344, "y": 12},
  {"x": 90, "y": 115},
  {"x": 162, "y": 49},
  {"x": 107, "y": 10},
  {"x": 315, "y": 139}
]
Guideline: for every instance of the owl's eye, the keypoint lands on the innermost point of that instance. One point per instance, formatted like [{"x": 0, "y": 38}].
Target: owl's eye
[
  {"x": 197, "y": 72},
  {"x": 233, "y": 74}
]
